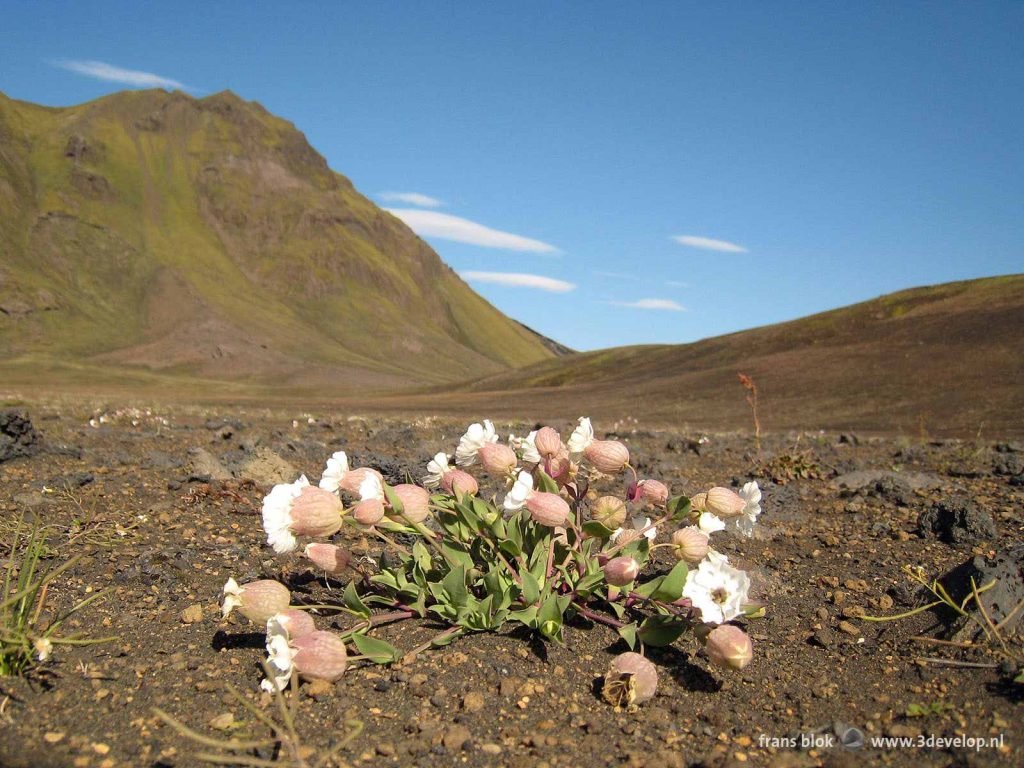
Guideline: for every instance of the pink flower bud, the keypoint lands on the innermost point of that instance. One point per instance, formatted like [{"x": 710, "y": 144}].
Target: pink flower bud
[
  {"x": 415, "y": 502},
  {"x": 328, "y": 557},
  {"x": 620, "y": 571},
  {"x": 548, "y": 442},
  {"x": 626, "y": 536},
  {"x": 690, "y": 545},
  {"x": 320, "y": 655},
  {"x": 368, "y": 511},
  {"x": 724, "y": 503},
  {"x": 316, "y": 512},
  {"x": 728, "y": 646},
  {"x": 699, "y": 503},
  {"x": 457, "y": 482},
  {"x": 631, "y": 680},
  {"x": 608, "y": 456},
  {"x": 351, "y": 481},
  {"x": 559, "y": 468},
  {"x": 548, "y": 509},
  {"x": 609, "y": 511},
  {"x": 257, "y": 600},
  {"x": 654, "y": 492},
  {"x": 497, "y": 458},
  {"x": 295, "y": 622}
]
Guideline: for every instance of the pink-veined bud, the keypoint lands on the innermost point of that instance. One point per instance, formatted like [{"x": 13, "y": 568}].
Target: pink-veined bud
[
  {"x": 559, "y": 468},
  {"x": 328, "y": 557},
  {"x": 415, "y": 502},
  {"x": 548, "y": 509},
  {"x": 631, "y": 680},
  {"x": 368, "y": 511},
  {"x": 729, "y": 646},
  {"x": 607, "y": 456},
  {"x": 548, "y": 442},
  {"x": 609, "y": 511},
  {"x": 295, "y": 622},
  {"x": 620, "y": 571},
  {"x": 690, "y": 545},
  {"x": 654, "y": 492},
  {"x": 316, "y": 512},
  {"x": 626, "y": 536},
  {"x": 456, "y": 481},
  {"x": 724, "y": 503},
  {"x": 257, "y": 600},
  {"x": 699, "y": 502},
  {"x": 497, "y": 458},
  {"x": 351, "y": 481},
  {"x": 320, "y": 655}
]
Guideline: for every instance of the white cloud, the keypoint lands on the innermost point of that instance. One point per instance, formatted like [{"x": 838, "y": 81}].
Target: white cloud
[
  {"x": 448, "y": 227},
  {"x": 411, "y": 198},
  {"x": 518, "y": 279},
  {"x": 615, "y": 275},
  {"x": 708, "y": 244},
  {"x": 662, "y": 304},
  {"x": 133, "y": 77}
]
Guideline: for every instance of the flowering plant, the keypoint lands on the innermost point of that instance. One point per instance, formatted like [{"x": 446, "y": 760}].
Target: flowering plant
[{"x": 549, "y": 549}]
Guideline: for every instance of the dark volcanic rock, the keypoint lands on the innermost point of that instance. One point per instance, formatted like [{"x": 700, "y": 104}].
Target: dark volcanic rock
[
  {"x": 957, "y": 520},
  {"x": 17, "y": 436},
  {"x": 1006, "y": 570}
]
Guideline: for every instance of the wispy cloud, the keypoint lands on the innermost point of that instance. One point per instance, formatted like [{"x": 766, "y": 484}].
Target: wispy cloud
[
  {"x": 448, "y": 227},
  {"x": 134, "y": 77},
  {"x": 411, "y": 198},
  {"x": 615, "y": 275},
  {"x": 659, "y": 304},
  {"x": 520, "y": 280},
  {"x": 677, "y": 284},
  {"x": 709, "y": 244}
]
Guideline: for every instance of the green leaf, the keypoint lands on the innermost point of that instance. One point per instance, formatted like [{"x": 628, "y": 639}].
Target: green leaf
[
  {"x": 586, "y": 585},
  {"x": 354, "y": 603},
  {"x": 679, "y": 508},
  {"x": 454, "y": 585},
  {"x": 527, "y": 616},
  {"x": 597, "y": 530},
  {"x": 421, "y": 555},
  {"x": 393, "y": 500},
  {"x": 649, "y": 588},
  {"x": 510, "y": 547},
  {"x": 628, "y": 633},
  {"x": 661, "y": 630},
  {"x": 378, "y": 651},
  {"x": 454, "y": 554},
  {"x": 671, "y": 587},
  {"x": 531, "y": 588},
  {"x": 543, "y": 482}
]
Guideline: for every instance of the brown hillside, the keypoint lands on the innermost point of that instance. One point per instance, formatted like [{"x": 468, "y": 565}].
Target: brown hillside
[{"x": 940, "y": 360}]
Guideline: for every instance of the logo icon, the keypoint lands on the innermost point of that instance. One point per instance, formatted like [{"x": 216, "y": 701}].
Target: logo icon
[{"x": 852, "y": 738}]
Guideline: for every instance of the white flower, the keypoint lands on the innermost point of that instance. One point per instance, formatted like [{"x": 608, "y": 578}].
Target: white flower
[
  {"x": 709, "y": 523},
  {"x": 521, "y": 490},
  {"x": 526, "y": 447},
  {"x": 44, "y": 648},
  {"x": 337, "y": 466},
  {"x": 751, "y": 494},
  {"x": 277, "y": 517},
  {"x": 581, "y": 437},
  {"x": 470, "y": 443},
  {"x": 717, "y": 589},
  {"x": 639, "y": 524},
  {"x": 436, "y": 469},
  {"x": 371, "y": 487},
  {"x": 279, "y": 657}
]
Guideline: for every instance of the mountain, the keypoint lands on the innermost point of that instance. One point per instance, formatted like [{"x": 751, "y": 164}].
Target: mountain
[
  {"x": 150, "y": 235},
  {"x": 938, "y": 360}
]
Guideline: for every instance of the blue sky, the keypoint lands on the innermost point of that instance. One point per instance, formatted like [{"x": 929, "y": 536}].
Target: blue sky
[{"x": 645, "y": 172}]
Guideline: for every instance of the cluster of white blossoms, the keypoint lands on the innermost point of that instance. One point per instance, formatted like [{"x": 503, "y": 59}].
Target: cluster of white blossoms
[
  {"x": 543, "y": 479},
  {"x": 714, "y": 586}
]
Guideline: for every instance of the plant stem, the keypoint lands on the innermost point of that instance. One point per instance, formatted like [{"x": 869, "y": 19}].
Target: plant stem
[
  {"x": 450, "y": 632},
  {"x": 597, "y": 617}
]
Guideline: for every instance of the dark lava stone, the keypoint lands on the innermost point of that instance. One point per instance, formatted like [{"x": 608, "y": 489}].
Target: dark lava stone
[{"x": 957, "y": 521}]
